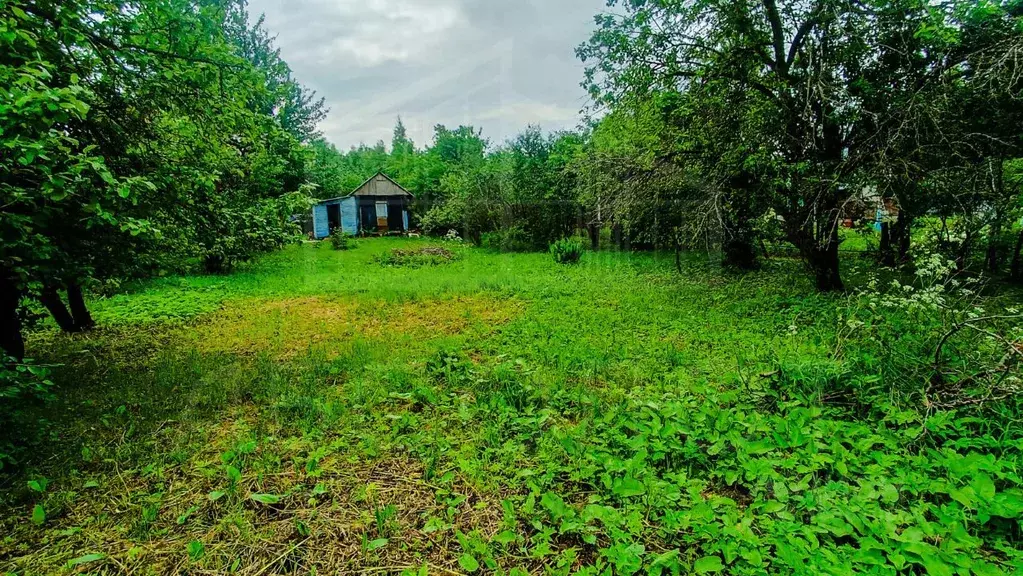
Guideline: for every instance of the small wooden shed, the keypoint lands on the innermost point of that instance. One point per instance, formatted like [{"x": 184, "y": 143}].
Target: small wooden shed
[{"x": 378, "y": 206}]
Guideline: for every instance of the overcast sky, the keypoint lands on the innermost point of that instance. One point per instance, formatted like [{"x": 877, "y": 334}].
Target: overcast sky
[{"x": 494, "y": 64}]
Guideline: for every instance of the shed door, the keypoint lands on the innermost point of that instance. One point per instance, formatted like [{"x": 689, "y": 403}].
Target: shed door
[
  {"x": 394, "y": 220},
  {"x": 382, "y": 216},
  {"x": 333, "y": 216},
  {"x": 367, "y": 218}
]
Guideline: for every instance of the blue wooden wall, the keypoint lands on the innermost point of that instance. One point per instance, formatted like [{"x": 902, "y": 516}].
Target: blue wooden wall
[
  {"x": 350, "y": 215},
  {"x": 320, "y": 225}
]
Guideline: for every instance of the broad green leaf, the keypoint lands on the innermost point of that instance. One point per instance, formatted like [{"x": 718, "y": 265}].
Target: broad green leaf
[
  {"x": 666, "y": 558},
  {"x": 468, "y": 563},
  {"x": 87, "y": 559},
  {"x": 708, "y": 564},
  {"x": 983, "y": 486},
  {"x": 267, "y": 499},
  {"x": 505, "y": 537},
  {"x": 628, "y": 487},
  {"x": 38, "y": 515},
  {"x": 986, "y": 569},
  {"x": 188, "y": 513},
  {"x": 1008, "y": 504},
  {"x": 196, "y": 550},
  {"x": 554, "y": 504},
  {"x": 964, "y": 497},
  {"x": 376, "y": 544},
  {"x": 935, "y": 567}
]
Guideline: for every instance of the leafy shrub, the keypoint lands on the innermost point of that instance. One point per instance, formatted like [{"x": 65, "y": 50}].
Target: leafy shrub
[
  {"x": 341, "y": 240},
  {"x": 439, "y": 219},
  {"x": 426, "y": 256},
  {"x": 22, "y": 384},
  {"x": 513, "y": 239},
  {"x": 239, "y": 235},
  {"x": 567, "y": 250}
]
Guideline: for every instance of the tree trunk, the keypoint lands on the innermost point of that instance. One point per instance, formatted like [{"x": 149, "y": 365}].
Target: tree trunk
[
  {"x": 821, "y": 259},
  {"x": 884, "y": 250},
  {"x": 824, "y": 263},
  {"x": 895, "y": 240},
  {"x": 992, "y": 260},
  {"x": 11, "y": 341},
  {"x": 963, "y": 254},
  {"x": 1016, "y": 271},
  {"x": 905, "y": 236},
  {"x": 213, "y": 264},
  {"x": 616, "y": 235},
  {"x": 594, "y": 231},
  {"x": 80, "y": 313},
  {"x": 51, "y": 300}
]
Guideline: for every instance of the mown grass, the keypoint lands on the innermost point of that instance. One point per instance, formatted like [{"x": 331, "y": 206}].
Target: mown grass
[{"x": 328, "y": 412}]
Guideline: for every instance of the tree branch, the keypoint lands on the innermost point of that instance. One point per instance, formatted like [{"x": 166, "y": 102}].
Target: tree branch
[{"x": 777, "y": 34}]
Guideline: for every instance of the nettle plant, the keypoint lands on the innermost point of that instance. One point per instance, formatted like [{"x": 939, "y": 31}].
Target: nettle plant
[{"x": 932, "y": 334}]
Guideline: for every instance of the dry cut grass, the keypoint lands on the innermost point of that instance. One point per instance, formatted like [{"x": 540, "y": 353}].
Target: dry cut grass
[{"x": 286, "y": 328}]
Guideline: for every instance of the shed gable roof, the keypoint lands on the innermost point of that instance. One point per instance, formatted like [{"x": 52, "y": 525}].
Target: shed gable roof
[{"x": 380, "y": 184}]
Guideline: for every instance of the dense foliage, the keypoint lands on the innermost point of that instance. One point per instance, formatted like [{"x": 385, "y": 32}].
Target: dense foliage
[
  {"x": 139, "y": 138},
  {"x": 739, "y": 127},
  {"x": 522, "y": 194},
  {"x": 724, "y": 114}
]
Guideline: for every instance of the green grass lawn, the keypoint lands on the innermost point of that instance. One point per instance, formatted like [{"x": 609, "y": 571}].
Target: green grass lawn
[{"x": 321, "y": 412}]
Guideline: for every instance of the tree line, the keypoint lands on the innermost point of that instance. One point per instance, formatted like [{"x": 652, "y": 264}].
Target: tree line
[
  {"x": 139, "y": 138},
  {"x": 753, "y": 118},
  {"x": 142, "y": 138},
  {"x": 743, "y": 125}
]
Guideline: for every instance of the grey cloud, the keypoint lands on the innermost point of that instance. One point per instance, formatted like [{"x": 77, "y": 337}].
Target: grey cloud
[{"x": 495, "y": 64}]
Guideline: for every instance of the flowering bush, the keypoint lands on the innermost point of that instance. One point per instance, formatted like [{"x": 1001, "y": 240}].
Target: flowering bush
[{"x": 932, "y": 340}]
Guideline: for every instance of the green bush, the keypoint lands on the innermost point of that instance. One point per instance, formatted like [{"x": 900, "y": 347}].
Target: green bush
[
  {"x": 512, "y": 239},
  {"x": 416, "y": 258},
  {"x": 341, "y": 240},
  {"x": 22, "y": 385},
  {"x": 567, "y": 250}
]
